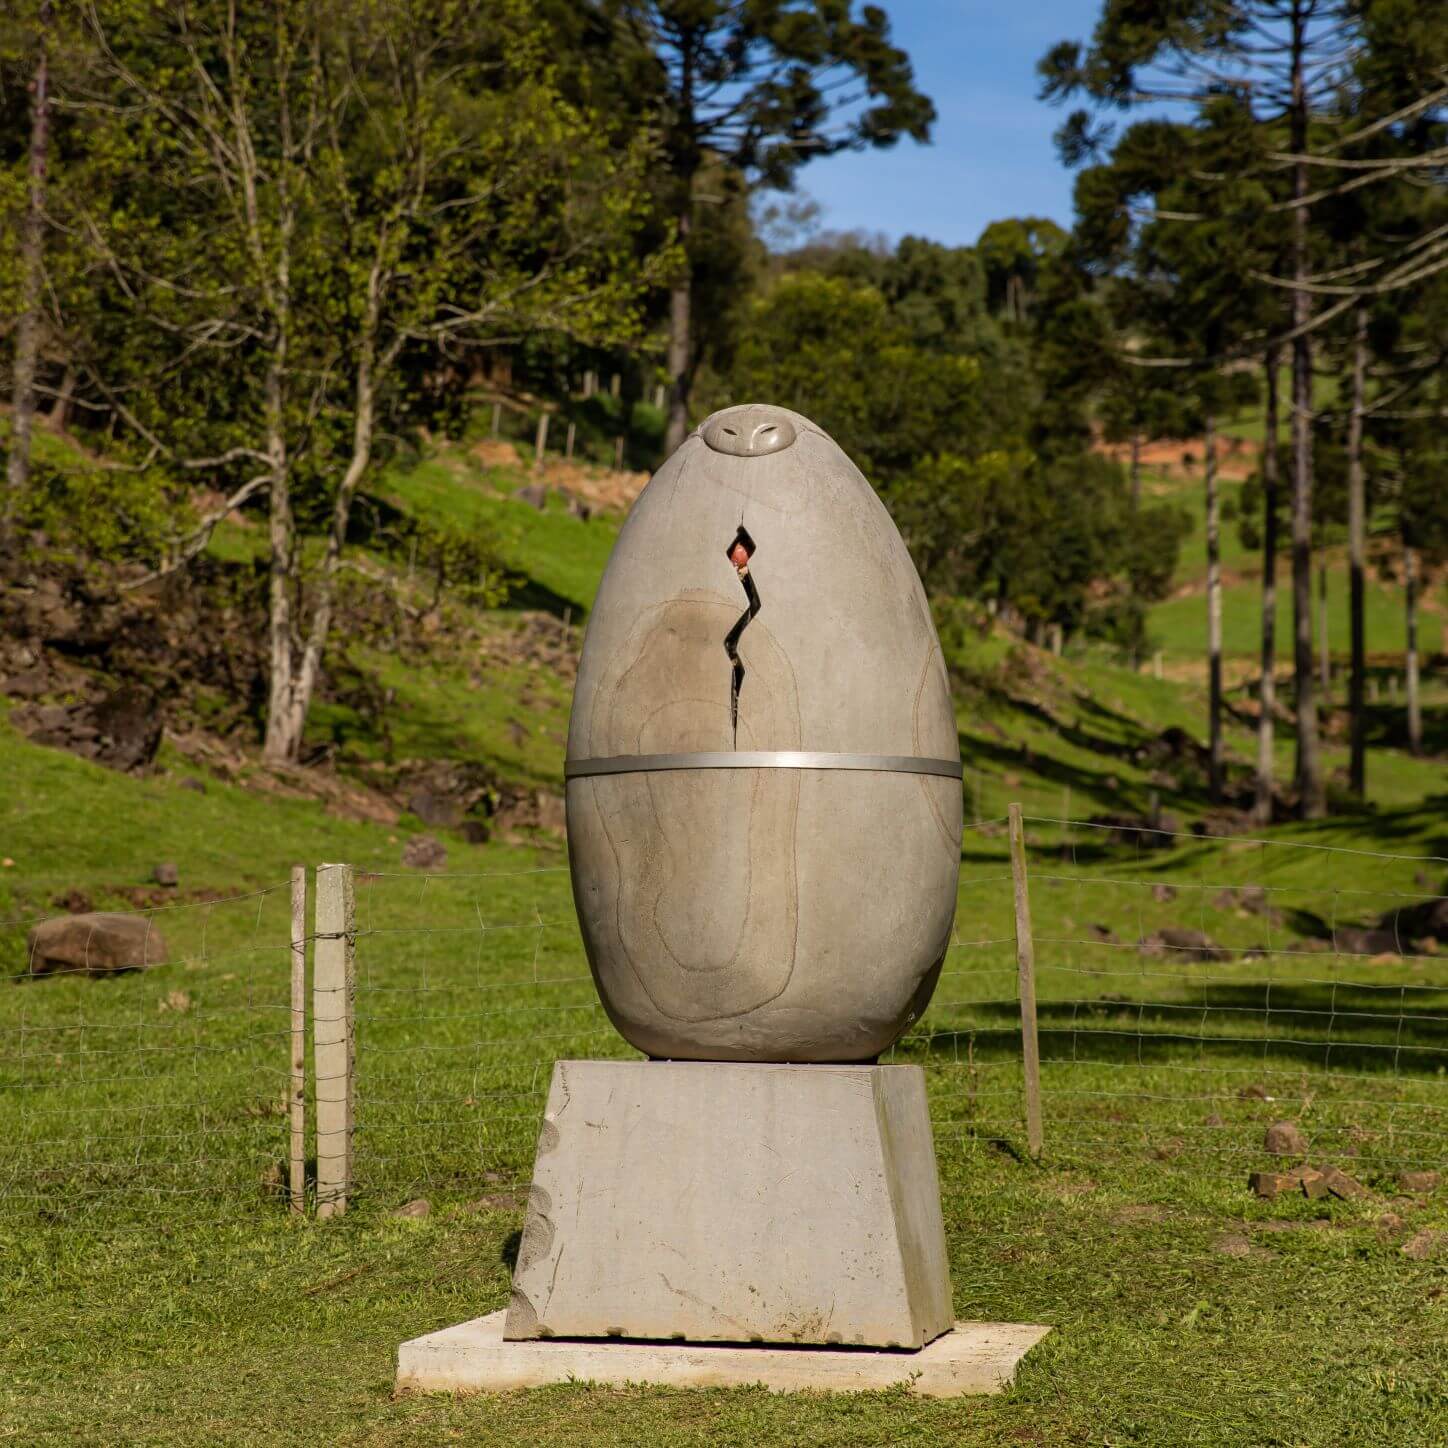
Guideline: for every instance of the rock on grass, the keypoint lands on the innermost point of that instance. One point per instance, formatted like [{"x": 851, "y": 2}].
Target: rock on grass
[
  {"x": 1285, "y": 1138},
  {"x": 99, "y": 942},
  {"x": 1416, "y": 1182},
  {"x": 423, "y": 852},
  {"x": 1429, "y": 1243}
]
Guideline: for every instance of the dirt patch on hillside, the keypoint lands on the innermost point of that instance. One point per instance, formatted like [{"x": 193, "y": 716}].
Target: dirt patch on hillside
[{"x": 1181, "y": 457}]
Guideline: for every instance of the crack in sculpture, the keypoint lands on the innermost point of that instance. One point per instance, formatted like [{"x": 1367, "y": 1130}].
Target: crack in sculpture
[{"x": 740, "y": 551}]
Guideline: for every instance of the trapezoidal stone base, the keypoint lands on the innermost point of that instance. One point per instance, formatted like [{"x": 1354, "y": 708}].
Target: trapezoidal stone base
[
  {"x": 704, "y": 1201},
  {"x": 974, "y": 1357}
]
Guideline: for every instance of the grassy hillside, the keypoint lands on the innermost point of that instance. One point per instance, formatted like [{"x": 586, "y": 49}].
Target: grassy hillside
[
  {"x": 1178, "y": 625},
  {"x": 156, "y": 1290}
]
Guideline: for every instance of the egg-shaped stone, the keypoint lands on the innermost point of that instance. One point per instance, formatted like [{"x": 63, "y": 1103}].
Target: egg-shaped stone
[{"x": 738, "y": 902}]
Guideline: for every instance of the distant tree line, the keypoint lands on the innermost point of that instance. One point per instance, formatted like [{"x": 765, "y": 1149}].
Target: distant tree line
[
  {"x": 1289, "y": 216},
  {"x": 247, "y": 247}
]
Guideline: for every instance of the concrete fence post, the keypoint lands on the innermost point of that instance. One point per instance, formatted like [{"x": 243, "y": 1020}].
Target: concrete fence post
[
  {"x": 1026, "y": 979},
  {"x": 297, "y": 1086},
  {"x": 333, "y": 1045}
]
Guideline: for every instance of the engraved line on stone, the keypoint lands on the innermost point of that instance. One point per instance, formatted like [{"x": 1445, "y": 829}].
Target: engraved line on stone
[
  {"x": 760, "y": 759},
  {"x": 739, "y": 552}
]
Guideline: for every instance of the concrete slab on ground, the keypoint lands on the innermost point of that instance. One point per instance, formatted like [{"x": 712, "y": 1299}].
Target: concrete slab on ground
[{"x": 973, "y": 1358}]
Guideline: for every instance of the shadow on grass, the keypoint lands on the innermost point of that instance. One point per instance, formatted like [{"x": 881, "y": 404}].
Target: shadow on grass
[
  {"x": 1325, "y": 1026},
  {"x": 533, "y": 597}
]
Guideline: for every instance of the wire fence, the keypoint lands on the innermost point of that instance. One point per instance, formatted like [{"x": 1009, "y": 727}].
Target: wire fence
[
  {"x": 1199, "y": 989},
  {"x": 144, "y": 1053},
  {"x": 1189, "y": 991},
  {"x": 468, "y": 987}
]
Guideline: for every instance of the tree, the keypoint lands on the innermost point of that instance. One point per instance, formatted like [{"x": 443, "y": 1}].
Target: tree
[
  {"x": 1262, "y": 804},
  {"x": 1013, "y": 252},
  {"x": 32, "y": 268},
  {"x": 321, "y": 190},
  {"x": 1286, "y": 64},
  {"x": 763, "y": 86},
  {"x": 950, "y": 423},
  {"x": 1176, "y": 290}
]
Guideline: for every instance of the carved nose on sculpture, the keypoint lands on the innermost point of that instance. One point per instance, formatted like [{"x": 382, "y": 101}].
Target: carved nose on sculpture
[{"x": 749, "y": 432}]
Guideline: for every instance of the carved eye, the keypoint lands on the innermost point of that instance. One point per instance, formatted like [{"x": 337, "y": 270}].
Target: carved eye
[{"x": 749, "y": 432}]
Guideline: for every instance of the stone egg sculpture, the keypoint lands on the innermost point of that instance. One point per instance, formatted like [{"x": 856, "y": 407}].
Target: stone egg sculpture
[{"x": 763, "y": 774}]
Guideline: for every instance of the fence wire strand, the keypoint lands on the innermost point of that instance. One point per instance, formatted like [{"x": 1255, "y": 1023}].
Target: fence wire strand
[
  {"x": 1191, "y": 990},
  {"x": 143, "y": 1052}
]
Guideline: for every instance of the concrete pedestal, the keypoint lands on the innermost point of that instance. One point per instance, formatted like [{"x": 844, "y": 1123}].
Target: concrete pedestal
[
  {"x": 975, "y": 1357},
  {"x": 742, "y": 1203}
]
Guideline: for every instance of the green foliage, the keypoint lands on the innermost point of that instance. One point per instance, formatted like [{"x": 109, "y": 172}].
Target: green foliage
[
  {"x": 842, "y": 358},
  {"x": 908, "y": 373},
  {"x": 1011, "y": 254},
  {"x": 747, "y": 81},
  {"x": 89, "y": 512}
]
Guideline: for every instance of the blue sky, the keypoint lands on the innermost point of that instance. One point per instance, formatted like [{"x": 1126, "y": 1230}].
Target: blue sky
[{"x": 992, "y": 154}]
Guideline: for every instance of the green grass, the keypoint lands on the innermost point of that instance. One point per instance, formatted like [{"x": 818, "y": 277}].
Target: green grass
[
  {"x": 154, "y": 1292},
  {"x": 559, "y": 557},
  {"x": 1178, "y": 624}
]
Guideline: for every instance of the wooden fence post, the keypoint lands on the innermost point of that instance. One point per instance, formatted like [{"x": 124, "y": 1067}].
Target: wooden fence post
[
  {"x": 333, "y": 1051},
  {"x": 1026, "y": 978},
  {"x": 540, "y": 442},
  {"x": 568, "y": 446},
  {"x": 297, "y": 1102}
]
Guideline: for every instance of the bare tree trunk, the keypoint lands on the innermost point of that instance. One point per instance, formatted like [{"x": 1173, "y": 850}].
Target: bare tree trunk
[
  {"x": 32, "y": 262},
  {"x": 1410, "y": 610},
  {"x": 284, "y": 744},
  {"x": 59, "y": 415},
  {"x": 1267, "y": 688},
  {"x": 1356, "y": 548},
  {"x": 680, "y": 358},
  {"x": 1324, "y": 648},
  {"x": 1312, "y": 800},
  {"x": 279, "y": 744},
  {"x": 1136, "y": 470},
  {"x": 1214, "y": 614},
  {"x": 282, "y": 740}
]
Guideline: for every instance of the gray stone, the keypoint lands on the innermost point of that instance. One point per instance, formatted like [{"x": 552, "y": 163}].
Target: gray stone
[
  {"x": 733, "y": 1202},
  {"x": 423, "y": 852},
  {"x": 98, "y": 942},
  {"x": 1341, "y": 1185},
  {"x": 763, "y": 914},
  {"x": 1426, "y": 1244},
  {"x": 1186, "y": 944},
  {"x": 436, "y": 810},
  {"x": 1271, "y": 1184},
  {"x": 974, "y": 1357},
  {"x": 166, "y": 873},
  {"x": 1418, "y": 1181},
  {"x": 1285, "y": 1138}
]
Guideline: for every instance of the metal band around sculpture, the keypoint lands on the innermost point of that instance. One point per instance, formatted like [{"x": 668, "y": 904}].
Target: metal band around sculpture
[{"x": 760, "y": 759}]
